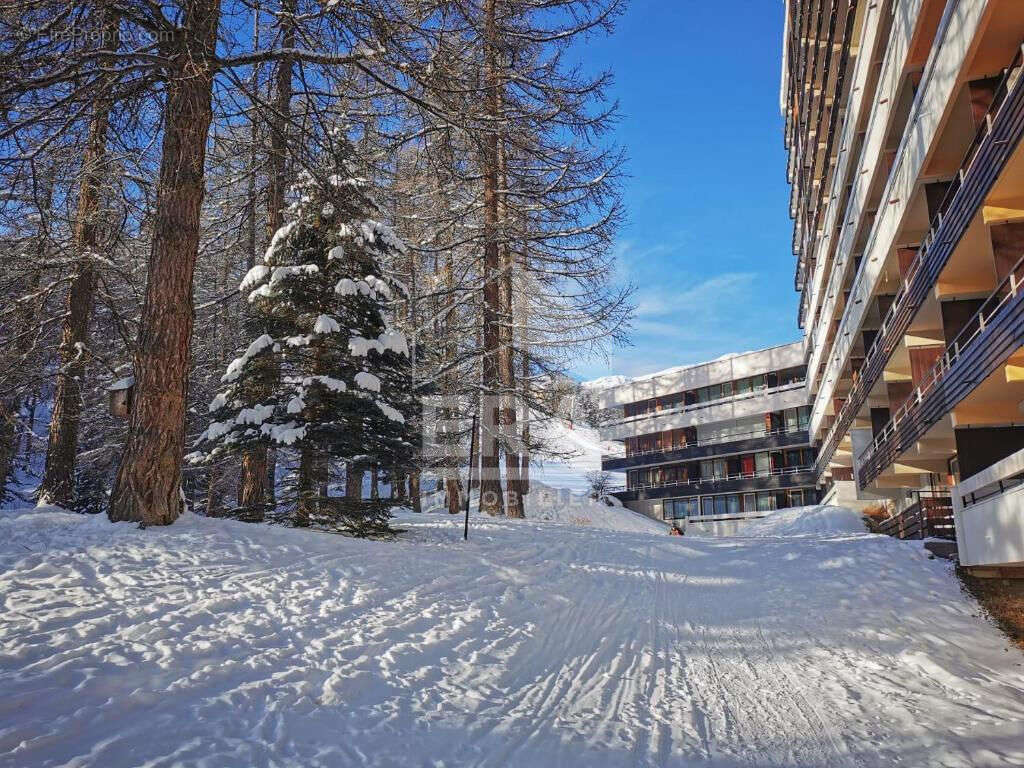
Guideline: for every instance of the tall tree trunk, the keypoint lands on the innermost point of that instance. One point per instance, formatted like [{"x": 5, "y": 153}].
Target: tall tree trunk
[
  {"x": 524, "y": 457},
  {"x": 375, "y": 482},
  {"x": 491, "y": 497},
  {"x": 453, "y": 495},
  {"x": 257, "y": 484},
  {"x": 148, "y": 485},
  {"x": 307, "y": 487},
  {"x": 354, "y": 480},
  {"x": 506, "y": 355},
  {"x": 398, "y": 485},
  {"x": 8, "y": 443},
  {"x": 414, "y": 491},
  {"x": 524, "y": 380},
  {"x": 58, "y": 486}
]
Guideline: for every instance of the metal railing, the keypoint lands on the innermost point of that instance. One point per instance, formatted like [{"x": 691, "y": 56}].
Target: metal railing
[
  {"x": 948, "y": 226},
  {"x": 910, "y": 421},
  {"x": 702, "y": 443},
  {"x": 780, "y": 472},
  {"x": 739, "y": 397},
  {"x": 931, "y": 516}
]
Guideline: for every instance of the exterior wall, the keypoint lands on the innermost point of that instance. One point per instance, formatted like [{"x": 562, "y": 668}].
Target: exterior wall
[
  {"x": 704, "y": 374},
  {"x": 738, "y": 407},
  {"x": 991, "y": 532}
]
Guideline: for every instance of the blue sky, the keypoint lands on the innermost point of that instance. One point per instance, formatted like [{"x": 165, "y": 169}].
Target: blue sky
[{"x": 708, "y": 235}]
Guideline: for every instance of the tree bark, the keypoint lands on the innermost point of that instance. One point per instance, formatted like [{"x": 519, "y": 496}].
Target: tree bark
[
  {"x": 414, "y": 491},
  {"x": 354, "y": 481},
  {"x": 491, "y": 497},
  {"x": 307, "y": 487},
  {"x": 148, "y": 485},
  {"x": 506, "y": 355},
  {"x": 58, "y": 486},
  {"x": 524, "y": 456},
  {"x": 453, "y": 495},
  {"x": 375, "y": 483},
  {"x": 8, "y": 444}
]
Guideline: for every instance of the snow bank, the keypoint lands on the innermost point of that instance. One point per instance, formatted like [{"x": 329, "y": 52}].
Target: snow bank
[
  {"x": 562, "y": 506},
  {"x": 804, "y": 521}
]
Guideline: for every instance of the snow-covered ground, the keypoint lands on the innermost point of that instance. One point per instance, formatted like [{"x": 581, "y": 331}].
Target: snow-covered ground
[{"x": 569, "y": 643}]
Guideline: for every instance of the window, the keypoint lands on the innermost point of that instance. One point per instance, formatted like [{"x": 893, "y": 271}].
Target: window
[
  {"x": 749, "y": 502},
  {"x": 743, "y": 386},
  {"x": 765, "y": 501},
  {"x": 707, "y": 469},
  {"x": 720, "y": 505},
  {"x": 707, "y": 505},
  {"x": 683, "y": 508},
  {"x": 733, "y": 503},
  {"x": 762, "y": 463},
  {"x": 791, "y": 419},
  {"x": 757, "y": 382}
]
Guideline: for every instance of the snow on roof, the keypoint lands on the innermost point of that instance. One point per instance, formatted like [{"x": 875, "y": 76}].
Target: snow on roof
[{"x": 608, "y": 382}]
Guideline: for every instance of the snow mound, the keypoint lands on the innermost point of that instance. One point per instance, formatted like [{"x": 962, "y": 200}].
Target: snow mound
[
  {"x": 814, "y": 520},
  {"x": 561, "y": 506}
]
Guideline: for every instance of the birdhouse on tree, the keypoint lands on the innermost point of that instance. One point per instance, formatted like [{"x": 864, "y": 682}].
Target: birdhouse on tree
[{"x": 120, "y": 394}]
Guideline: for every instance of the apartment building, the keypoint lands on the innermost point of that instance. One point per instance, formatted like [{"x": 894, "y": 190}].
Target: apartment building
[
  {"x": 903, "y": 121},
  {"x": 706, "y": 446}
]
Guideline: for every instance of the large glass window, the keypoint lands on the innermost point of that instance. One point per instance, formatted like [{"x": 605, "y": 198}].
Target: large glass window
[
  {"x": 762, "y": 463},
  {"x": 720, "y": 505},
  {"x": 765, "y": 501},
  {"x": 733, "y": 502},
  {"x": 749, "y": 502},
  {"x": 707, "y": 505},
  {"x": 791, "y": 420}
]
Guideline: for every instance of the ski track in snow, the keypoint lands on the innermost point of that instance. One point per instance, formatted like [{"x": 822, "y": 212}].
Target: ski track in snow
[{"x": 215, "y": 643}]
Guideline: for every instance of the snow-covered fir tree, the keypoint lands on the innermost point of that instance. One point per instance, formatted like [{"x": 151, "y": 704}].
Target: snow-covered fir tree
[{"x": 328, "y": 381}]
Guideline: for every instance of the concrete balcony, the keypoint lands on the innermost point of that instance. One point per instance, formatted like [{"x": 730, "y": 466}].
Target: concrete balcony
[
  {"x": 727, "y": 409},
  {"x": 954, "y": 40},
  {"x": 994, "y": 334},
  {"x": 763, "y": 441},
  {"x": 776, "y": 479},
  {"x": 990, "y": 153}
]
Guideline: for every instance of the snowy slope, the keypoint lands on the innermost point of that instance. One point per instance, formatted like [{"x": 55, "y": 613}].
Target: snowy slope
[
  {"x": 586, "y": 447},
  {"x": 212, "y": 643},
  {"x": 802, "y": 521}
]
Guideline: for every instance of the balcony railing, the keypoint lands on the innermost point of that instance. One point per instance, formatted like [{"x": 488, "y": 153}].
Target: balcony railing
[
  {"x": 780, "y": 472},
  {"x": 994, "y": 333},
  {"x": 993, "y": 144},
  {"x": 753, "y": 434},
  {"x": 931, "y": 516},
  {"x": 709, "y": 404}
]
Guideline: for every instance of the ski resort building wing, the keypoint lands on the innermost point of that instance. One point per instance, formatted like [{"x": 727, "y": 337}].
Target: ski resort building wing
[
  {"x": 903, "y": 122},
  {"x": 715, "y": 443}
]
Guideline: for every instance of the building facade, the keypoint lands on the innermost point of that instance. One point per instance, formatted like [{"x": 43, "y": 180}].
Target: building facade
[
  {"x": 903, "y": 121},
  {"x": 714, "y": 443}
]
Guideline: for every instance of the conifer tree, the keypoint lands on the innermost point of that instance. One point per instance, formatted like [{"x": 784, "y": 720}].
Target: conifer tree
[{"x": 342, "y": 394}]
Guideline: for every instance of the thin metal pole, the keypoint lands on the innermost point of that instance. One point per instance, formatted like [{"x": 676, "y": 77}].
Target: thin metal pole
[{"x": 469, "y": 480}]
